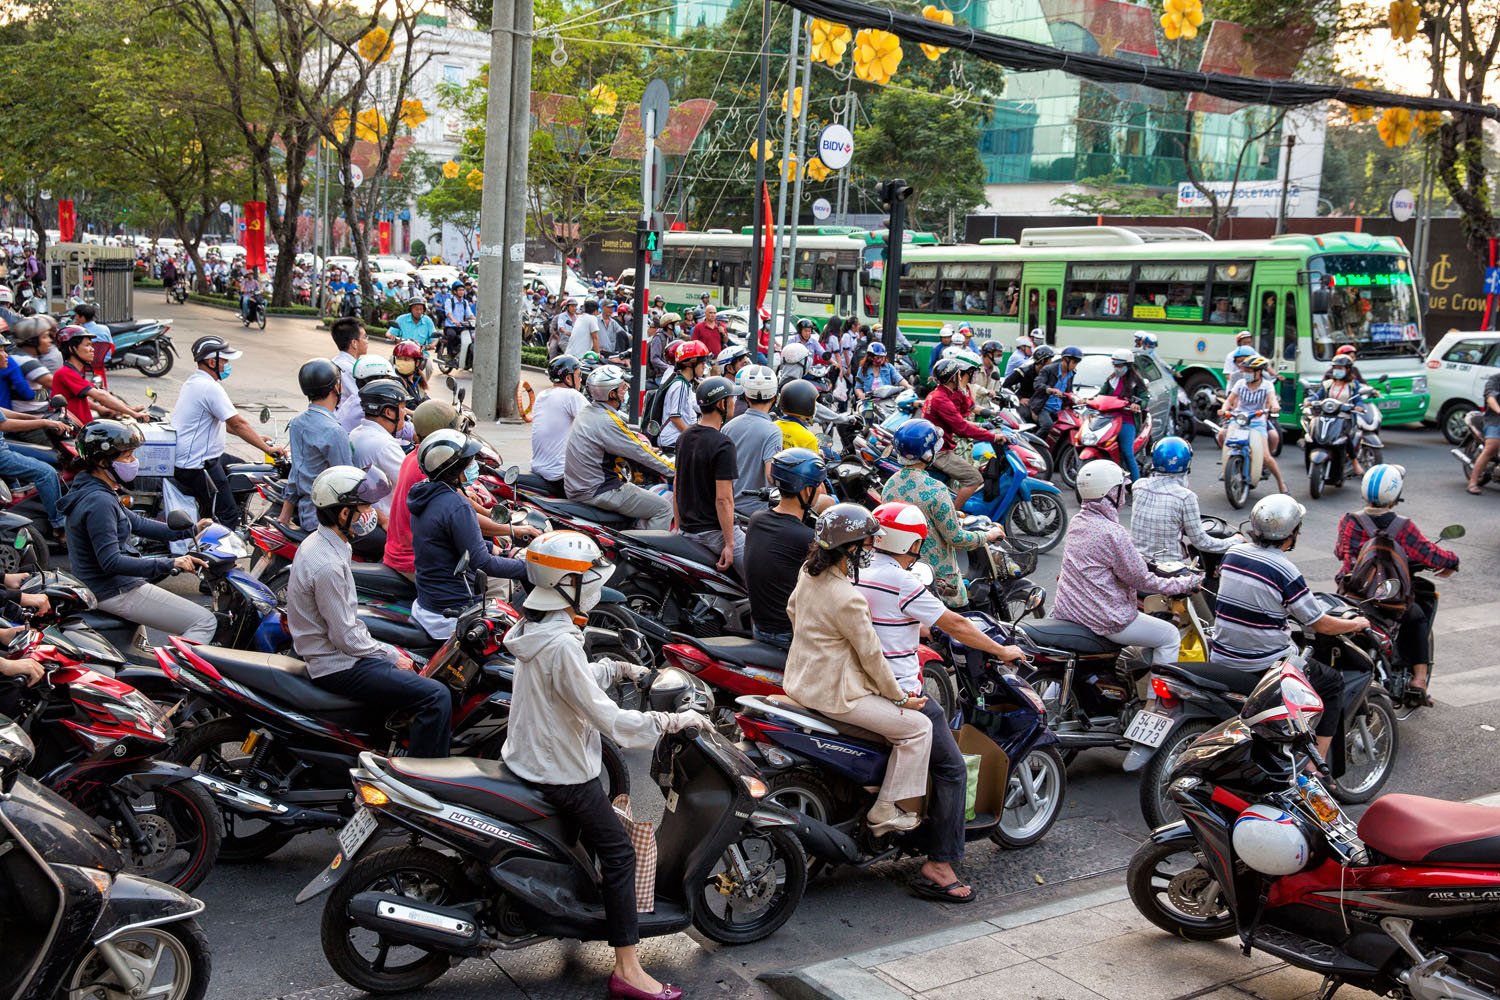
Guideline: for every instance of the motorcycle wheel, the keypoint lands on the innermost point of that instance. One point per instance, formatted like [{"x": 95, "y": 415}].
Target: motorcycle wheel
[
  {"x": 1236, "y": 482},
  {"x": 939, "y": 685},
  {"x": 214, "y": 749},
  {"x": 1043, "y": 452},
  {"x": 1316, "y": 477},
  {"x": 1156, "y": 805},
  {"x": 1037, "y": 524},
  {"x": 364, "y": 958},
  {"x": 1184, "y": 425},
  {"x": 1067, "y": 465},
  {"x": 730, "y": 909},
  {"x": 169, "y": 962},
  {"x": 1170, "y": 887},
  {"x": 1370, "y": 456},
  {"x": 804, "y": 791},
  {"x": 278, "y": 582},
  {"x": 162, "y": 364},
  {"x": 183, "y": 832},
  {"x": 1370, "y": 744},
  {"x": 260, "y": 318},
  {"x": 33, "y": 556},
  {"x": 1034, "y": 792}
]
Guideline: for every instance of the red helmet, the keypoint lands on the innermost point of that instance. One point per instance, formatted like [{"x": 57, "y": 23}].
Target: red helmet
[
  {"x": 687, "y": 350},
  {"x": 1348, "y": 349},
  {"x": 904, "y": 525},
  {"x": 406, "y": 349}
]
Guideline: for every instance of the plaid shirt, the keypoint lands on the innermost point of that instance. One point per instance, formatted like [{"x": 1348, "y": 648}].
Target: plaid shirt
[
  {"x": 1164, "y": 514},
  {"x": 1419, "y": 551}
]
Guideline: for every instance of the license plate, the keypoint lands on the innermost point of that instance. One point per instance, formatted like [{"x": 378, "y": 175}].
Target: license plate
[
  {"x": 1387, "y": 404},
  {"x": 354, "y": 833},
  {"x": 1149, "y": 728}
]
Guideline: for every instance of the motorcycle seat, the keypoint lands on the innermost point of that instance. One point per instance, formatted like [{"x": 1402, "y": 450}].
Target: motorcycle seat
[
  {"x": 379, "y": 580},
  {"x": 584, "y": 512},
  {"x": 283, "y": 678},
  {"x": 674, "y": 544},
  {"x": 486, "y": 785},
  {"x": 397, "y": 631},
  {"x": 1071, "y": 636},
  {"x": 1415, "y": 828},
  {"x": 292, "y": 532},
  {"x": 1214, "y": 676},
  {"x": 843, "y": 728},
  {"x": 536, "y": 484},
  {"x": 115, "y": 329},
  {"x": 742, "y": 650}
]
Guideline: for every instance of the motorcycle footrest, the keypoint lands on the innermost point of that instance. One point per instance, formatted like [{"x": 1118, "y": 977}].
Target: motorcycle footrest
[{"x": 1305, "y": 953}]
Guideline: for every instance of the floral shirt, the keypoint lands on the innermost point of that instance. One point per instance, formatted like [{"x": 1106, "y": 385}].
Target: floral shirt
[{"x": 946, "y": 535}]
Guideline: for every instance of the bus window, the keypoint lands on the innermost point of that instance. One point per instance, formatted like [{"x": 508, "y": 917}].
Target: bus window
[
  {"x": 1098, "y": 291},
  {"x": 1289, "y": 328},
  {"x": 1230, "y": 295},
  {"x": 1172, "y": 292},
  {"x": 1266, "y": 342},
  {"x": 1051, "y": 315},
  {"x": 1007, "y": 298},
  {"x": 1032, "y": 308},
  {"x": 919, "y": 286},
  {"x": 964, "y": 288}
]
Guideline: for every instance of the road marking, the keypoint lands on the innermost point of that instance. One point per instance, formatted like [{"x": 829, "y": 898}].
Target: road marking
[
  {"x": 1465, "y": 619},
  {"x": 1467, "y": 687}
]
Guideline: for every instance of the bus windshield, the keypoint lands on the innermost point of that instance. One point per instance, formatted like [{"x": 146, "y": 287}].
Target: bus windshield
[{"x": 1373, "y": 305}]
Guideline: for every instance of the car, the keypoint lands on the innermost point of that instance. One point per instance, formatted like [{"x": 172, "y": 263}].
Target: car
[
  {"x": 549, "y": 276},
  {"x": 1096, "y": 368},
  {"x": 1456, "y": 370},
  {"x": 398, "y": 265},
  {"x": 345, "y": 264},
  {"x": 439, "y": 274},
  {"x": 739, "y": 325}
]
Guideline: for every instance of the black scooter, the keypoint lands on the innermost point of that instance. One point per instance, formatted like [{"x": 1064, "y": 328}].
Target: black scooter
[
  {"x": 399, "y": 917},
  {"x": 73, "y": 923}
]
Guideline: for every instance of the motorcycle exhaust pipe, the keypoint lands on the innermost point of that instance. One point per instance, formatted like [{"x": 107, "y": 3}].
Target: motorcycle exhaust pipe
[
  {"x": 140, "y": 361},
  {"x": 1464, "y": 460},
  {"x": 406, "y": 921},
  {"x": 244, "y": 802}
]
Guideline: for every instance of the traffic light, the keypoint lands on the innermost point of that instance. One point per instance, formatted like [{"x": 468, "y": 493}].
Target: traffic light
[
  {"x": 892, "y": 193},
  {"x": 650, "y": 240}
]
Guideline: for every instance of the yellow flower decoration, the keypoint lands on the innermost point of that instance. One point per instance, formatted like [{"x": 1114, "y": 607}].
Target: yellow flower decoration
[
  {"x": 829, "y": 41},
  {"x": 370, "y": 125},
  {"x": 1395, "y": 127},
  {"x": 376, "y": 46},
  {"x": 789, "y": 167},
  {"x": 605, "y": 100},
  {"x": 450, "y": 170},
  {"x": 796, "y": 96},
  {"x": 817, "y": 169},
  {"x": 1181, "y": 19},
  {"x": 1405, "y": 19},
  {"x": 934, "y": 13},
  {"x": 876, "y": 55},
  {"x": 475, "y": 179},
  {"x": 412, "y": 113},
  {"x": 1360, "y": 113},
  {"x": 767, "y": 151},
  {"x": 1428, "y": 122},
  {"x": 339, "y": 123}
]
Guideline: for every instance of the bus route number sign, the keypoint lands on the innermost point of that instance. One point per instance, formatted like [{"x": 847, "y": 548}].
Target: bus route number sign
[{"x": 1114, "y": 304}]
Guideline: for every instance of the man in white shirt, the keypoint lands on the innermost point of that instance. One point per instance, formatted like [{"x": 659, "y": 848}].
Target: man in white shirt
[
  {"x": 901, "y": 608},
  {"x": 353, "y": 342},
  {"x": 585, "y": 335},
  {"x": 552, "y": 419},
  {"x": 375, "y": 440},
  {"x": 202, "y": 415}
]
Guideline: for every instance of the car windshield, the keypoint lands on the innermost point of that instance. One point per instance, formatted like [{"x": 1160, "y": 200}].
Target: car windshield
[{"x": 1373, "y": 305}]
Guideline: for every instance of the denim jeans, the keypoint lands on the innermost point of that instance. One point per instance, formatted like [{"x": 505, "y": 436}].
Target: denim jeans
[
  {"x": 782, "y": 639},
  {"x": 1127, "y": 450},
  {"x": 950, "y": 784},
  {"x": 377, "y": 680},
  {"x": 31, "y": 470}
]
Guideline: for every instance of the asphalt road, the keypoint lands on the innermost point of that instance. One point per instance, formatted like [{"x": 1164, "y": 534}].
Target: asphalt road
[{"x": 265, "y": 947}]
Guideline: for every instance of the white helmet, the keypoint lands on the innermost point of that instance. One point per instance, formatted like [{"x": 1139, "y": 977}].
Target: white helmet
[
  {"x": 566, "y": 570},
  {"x": 1275, "y": 517},
  {"x": 904, "y": 524},
  {"x": 1123, "y": 356},
  {"x": 1270, "y": 840},
  {"x": 443, "y": 451},
  {"x": 604, "y": 380},
  {"x": 1097, "y": 478},
  {"x": 1024, "y": 341},
  {"x": 1382, "y": 485},
  {"x": 347, "y": 486},
  {"x": 369, "y": 368},
  {"x": 6, "y": 296},
  {"x": 795, "y": 354},
  {"x": 967, "y": 360},
  {"x": 758, "y": 381}
]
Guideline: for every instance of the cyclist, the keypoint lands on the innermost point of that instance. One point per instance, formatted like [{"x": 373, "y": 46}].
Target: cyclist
[
  {"x": 599, "y": 439},
  {"x": 1025, "y": 348},
  {"x": 1242, "y": 348},
  {"x": 1052, "y": 384},
  {"x": 410, "y": 366},
  {"x": 948, "y": 407},
  {"x": 679, "y": 409},
  {"x": 415, "y": 325},
  {"x": 799, "y": 408},
  {"x": 756, "y": 438},
  {"x": 1340, "y": 383},
  {"x": 1125, "y": 382}
]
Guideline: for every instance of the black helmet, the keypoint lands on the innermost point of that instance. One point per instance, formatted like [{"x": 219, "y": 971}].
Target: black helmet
[
  {"x": 1043, "y": 353},
  {"x": 845, "y": 524},
  {"x": 945, "y": 371},
  {"x": 212, "y": 347},
  {"x": 713, "y": 390},
  {"x": 805, "y": 324},
  {"x": 316, "y": 378},
  {"x": 991, "y": 346},
  {"x": 562, "y": 366},
  {"x": 799, "y": 398},
  {"x": 103, "y": 441},
  {"x": 376, "y": 396}
]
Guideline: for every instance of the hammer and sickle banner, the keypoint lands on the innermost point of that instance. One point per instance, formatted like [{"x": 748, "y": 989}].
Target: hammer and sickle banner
[
  {"x": 255, "y": 234},
  {"x": 67, "y": 219},
  {"x": 384, "y": 236}
]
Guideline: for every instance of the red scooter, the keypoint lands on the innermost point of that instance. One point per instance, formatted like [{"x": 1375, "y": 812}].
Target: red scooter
[
  {"x": 1098, "y": 436},
  {"x": 1059, "y": 439}
]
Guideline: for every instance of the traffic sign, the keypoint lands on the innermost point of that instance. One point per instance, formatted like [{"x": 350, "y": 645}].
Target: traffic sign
[
  {"x": 658, "y": 175},
  {"x": 1492, "y": 281},
  {"x": 655, "y": 105},
  {"x": 649, "y": 240}
]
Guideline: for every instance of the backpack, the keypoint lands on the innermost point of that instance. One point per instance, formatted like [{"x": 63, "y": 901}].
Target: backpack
[
  {"x": 1379, "y": 559},
  {"x": 655, "y": 402}
]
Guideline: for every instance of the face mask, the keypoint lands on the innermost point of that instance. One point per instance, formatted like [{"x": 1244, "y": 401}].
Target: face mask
[
  {"x": 1119, "y": 369},
  {"x": 1341, "y": 373},
  {"x": 364, "y": 524},
  {"x": 471, "y": 474},
  {"x": 125, "y": 471},
  {"x": 590, "y": 594},
  {"x": 225, "y": 370}
]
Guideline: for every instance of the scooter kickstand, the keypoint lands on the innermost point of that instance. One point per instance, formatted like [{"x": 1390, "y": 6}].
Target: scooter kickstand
[{"x": 1328, "y": 988}]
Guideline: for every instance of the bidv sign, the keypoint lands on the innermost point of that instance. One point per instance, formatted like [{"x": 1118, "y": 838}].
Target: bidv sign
[{"x": 835, "y": 147}]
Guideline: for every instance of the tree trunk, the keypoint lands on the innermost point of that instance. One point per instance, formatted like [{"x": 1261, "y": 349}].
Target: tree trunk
[{"x": 1461, "y": 166}]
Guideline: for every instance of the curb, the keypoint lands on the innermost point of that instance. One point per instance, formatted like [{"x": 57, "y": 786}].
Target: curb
[{"x": 850, "y": 978}]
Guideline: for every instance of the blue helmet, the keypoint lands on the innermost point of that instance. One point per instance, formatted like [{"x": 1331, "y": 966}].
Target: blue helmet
[
  {"x": 1243, "y": 351},
  {"x": 797, "y": 469},
  {"x": 876, "y": 350},
  {"x": 1172, "y": 454},
  {"x": 1072, "y": 352},
  {"x": 917, "y": 441}
]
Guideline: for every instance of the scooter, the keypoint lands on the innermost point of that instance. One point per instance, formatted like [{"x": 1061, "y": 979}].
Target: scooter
[
  {"x": 1331, "y": 429},
  {"x": 1470, "y": 448},
  {"x": 73, "y": 920},
  {"x": 1099, "y": 434},
  {"x": 1030, "y": 509},
  {"x": 729, "y": 864},
  {"x": 257, "y": 313},
  {"x": 459, "y": 354},
  {"x": 143, "y": 345},
  {"x": 1244, "y": 455},
  {"x": 1060, "y": 437}
]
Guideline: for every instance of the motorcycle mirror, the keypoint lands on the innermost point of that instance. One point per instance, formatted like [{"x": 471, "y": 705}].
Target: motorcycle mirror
[
  {"x": 461, "y": 394},
  {"x": 923, "y": 573},
  {"x": 462, "y": 565},
  {"x": 179, "y": 520},
  {"x": 151, "y": 395},
  {"x": 265, "y": 414},
  {"x": 452, "y": 384},
  {"x": 5, "y": 495},
  {"x": 653, "y": 428},
  {"x": 1386, "y": 590},
  {"x": 1035, "y": 599},
  {"x": 1451, "y": 532},
  {"x": 58, "y": 402},
  {"x": 510, "y": 475}
]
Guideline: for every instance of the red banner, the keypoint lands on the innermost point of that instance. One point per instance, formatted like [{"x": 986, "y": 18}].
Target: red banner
[
  {"x": 255, "y": 235},
  {"x": 385, "y": 237},
  {"x": 67, "y": 220},
  {"x": 767, "y": 254}
]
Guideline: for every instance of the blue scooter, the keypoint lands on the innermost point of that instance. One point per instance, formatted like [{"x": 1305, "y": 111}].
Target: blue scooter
[
  {"x": 143, "y": 345},
  {"x": 1030, "y": 509}
]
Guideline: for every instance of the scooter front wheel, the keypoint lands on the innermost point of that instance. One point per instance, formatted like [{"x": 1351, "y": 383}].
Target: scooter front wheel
[
  {"x": 1037, "y": 524},
  {"x": 1316, "y": 476},
  {"x": 753, "y": 889},
  {"x": 159, "y": 365},
  {"x": 1172, "y": 887},
  {"x": 1236, "y": 482}
]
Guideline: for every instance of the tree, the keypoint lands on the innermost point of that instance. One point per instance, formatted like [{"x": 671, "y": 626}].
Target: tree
[
  {"x": 931, "y": 143},
  {"x": 1108, "y": 195}
]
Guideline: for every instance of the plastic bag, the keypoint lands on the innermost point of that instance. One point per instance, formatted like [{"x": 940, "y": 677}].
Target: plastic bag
[{"x": 972, "y": 764}]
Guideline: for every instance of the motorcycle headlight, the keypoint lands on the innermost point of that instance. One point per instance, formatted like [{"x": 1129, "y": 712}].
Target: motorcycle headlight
[{"x": 1088, "y": 436}]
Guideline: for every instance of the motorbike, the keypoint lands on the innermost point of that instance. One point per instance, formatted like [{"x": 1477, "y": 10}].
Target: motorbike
[
  {"x": 257, "y": 313},
  {"x": 998, "y": 578},
  {"x": 142, "y": 345},
  {"x": 276, "y": 756},
  {"x": 1030, "y": 509},
  {"x": 457, "y": 352},
  {"x": 1470, "y": 447},
  {"x": 1098, "y": 436},
  {"x": 1399, "y": 904},
  {"x": 490, "y": 866},
  {"x": 1061, "y": 437},
  {"x": 177, "y": 292},
  {"x": 23, "y": 547},
  {"x": 74, "y": 921},
  {"x": 1331, "y": 430},
  {"x": 1243, "y": 457},
  {"x": 97, "y": 740}
]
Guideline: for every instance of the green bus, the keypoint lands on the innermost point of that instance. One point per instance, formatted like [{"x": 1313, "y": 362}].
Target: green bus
[{"x": 1301, "y": 297}]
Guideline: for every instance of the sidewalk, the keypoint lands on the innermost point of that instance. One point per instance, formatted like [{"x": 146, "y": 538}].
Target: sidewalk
[{"x": 1093, "y": 946}]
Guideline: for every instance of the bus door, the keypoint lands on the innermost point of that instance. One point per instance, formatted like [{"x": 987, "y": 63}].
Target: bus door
[
  {"x": 846, "y": 287},
  {"x": 1032, "y": 317},
  {"x": 1276, "y": 340},
  {"x": 729, "y": 282}
]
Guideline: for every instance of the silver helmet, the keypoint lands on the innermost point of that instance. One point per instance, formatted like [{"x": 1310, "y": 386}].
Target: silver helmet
[{"x": 1274, "y": 518}]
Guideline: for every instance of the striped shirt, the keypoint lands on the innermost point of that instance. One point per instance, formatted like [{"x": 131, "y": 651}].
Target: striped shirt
[
  {"x": 899, "y": 607},
  {"x": 1259, "y": 591},
  {"x": 1252, "y": 400}
]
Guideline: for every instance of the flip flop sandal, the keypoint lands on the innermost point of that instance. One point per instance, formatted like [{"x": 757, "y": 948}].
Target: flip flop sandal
[
  {"x": 1475, "y": 490},
  {"x": 928, "y": 889}
]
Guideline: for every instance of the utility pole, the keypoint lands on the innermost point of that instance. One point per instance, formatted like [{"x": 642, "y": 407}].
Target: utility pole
[
  {"x": 791, "y": 252},
  {"x": 780, "y": 299},
  {"x": 892, "y": 196},
  {"x": 1286, "y": 181},
  {"x": 758, "y": 218}
]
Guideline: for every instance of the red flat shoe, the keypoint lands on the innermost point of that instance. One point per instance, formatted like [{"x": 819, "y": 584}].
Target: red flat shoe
[{"x": 619, "y": 989}]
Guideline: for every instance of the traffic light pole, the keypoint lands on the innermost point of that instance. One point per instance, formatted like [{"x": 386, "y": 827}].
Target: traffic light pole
[
  {"x": 893, "y": 195},
  {"x": 642, "y": 273}
]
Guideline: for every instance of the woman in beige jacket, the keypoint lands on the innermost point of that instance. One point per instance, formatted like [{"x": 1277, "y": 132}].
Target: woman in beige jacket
[{"x": 835, "y": 665}]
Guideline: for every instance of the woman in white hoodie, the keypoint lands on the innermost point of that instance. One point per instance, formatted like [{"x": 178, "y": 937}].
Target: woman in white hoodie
[{"x": 558, "y": 711}]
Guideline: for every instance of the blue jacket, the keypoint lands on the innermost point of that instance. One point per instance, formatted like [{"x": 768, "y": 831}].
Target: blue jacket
[
  {"x": 444, "y": 527},
  {"x": 13, "y": 384},
  {"x": 99, "y": 530}
]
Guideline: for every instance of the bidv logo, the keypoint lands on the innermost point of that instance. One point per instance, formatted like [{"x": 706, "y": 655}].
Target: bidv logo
[{"x": 836, "y": 147}]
